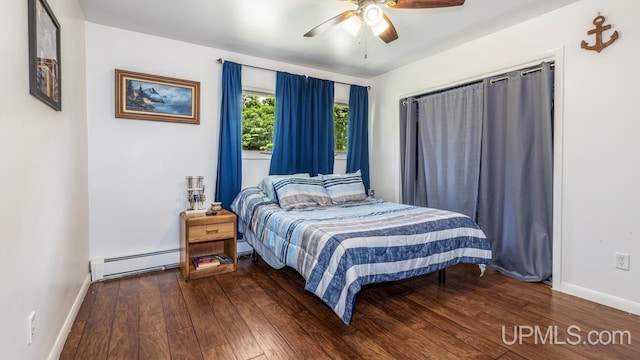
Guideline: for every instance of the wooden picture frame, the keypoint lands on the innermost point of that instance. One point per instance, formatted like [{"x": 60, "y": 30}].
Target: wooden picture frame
[
  {"x": 44, "y": 54},
  {"x": 157, "y": 98}
]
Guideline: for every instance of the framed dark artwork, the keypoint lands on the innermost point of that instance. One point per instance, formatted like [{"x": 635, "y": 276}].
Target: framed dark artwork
[
  {"x": 158, "y": 98},
  {"x": 44, "y": 54}
]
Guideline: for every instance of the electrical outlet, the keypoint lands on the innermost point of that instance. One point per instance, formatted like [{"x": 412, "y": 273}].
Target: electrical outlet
[
  {"x": 622, "y": 261},
  {"x": 31, "y": 327}
]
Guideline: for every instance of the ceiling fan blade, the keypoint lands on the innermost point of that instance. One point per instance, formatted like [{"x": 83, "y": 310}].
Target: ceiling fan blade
[
  {"x": 422, "y": 4},
  {"x": 329, "y": 23},
  {"x": 390, "y": 33}
]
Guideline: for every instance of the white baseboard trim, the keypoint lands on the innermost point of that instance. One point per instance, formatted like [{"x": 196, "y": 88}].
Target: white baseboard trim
[
  {"x": 601, "y": 298},
  {"x": 55, "y": 352}
]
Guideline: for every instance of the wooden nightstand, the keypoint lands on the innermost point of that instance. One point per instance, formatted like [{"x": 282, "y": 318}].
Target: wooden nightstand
[{"x": 207, "y": 235}]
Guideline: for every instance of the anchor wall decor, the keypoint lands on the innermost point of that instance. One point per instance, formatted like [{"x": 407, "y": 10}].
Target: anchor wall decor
[{"x": 599, "y": 29}]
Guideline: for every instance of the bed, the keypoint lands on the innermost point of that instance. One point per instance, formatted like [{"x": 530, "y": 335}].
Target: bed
[{"x": 340, "y": 246}]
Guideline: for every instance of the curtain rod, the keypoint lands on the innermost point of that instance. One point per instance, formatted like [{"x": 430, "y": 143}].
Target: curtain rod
[
  {"x": 523, "y": 73},
  {"x": 221, "y": 61},
  {"x": 493, "y": 81},
  {"x": 415, "y": 98}
]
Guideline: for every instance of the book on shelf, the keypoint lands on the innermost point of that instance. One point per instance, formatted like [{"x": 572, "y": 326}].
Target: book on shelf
[
  {"x": 205, "y": 262},
  {"x": 224, "y": 259}
]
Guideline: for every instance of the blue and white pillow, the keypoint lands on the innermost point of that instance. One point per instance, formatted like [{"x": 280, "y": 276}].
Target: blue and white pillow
[
  {"x": 266, "y": 184},
  {"x": 301, "y": 193},
  {"x": 344, "y": 188}
]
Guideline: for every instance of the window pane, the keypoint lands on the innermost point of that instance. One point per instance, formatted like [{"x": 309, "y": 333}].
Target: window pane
[
  {"x": 340, "y": 123},
  {"x": 258, "y": 117}
]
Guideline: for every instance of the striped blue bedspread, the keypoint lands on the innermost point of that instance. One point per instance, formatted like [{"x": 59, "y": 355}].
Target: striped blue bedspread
[{"x": 338, "y": 249}]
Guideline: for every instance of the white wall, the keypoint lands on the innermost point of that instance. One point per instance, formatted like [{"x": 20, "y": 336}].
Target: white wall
[
  {"x": 43, "y": 198},
  {"x": 137, "y": 168},
  {"x": 600, "y": 201}
]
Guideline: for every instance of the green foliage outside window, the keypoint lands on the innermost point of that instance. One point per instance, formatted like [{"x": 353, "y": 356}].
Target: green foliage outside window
[
  {"x": 258, "y": 118},
  {"x": 340, "y": 125}
]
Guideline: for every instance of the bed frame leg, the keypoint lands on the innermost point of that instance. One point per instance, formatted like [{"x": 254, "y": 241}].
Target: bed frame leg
[{"x": 441, "y": 277}]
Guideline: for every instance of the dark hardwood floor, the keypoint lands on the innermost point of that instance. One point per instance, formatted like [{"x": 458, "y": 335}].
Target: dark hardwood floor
[{"x": 261, "y": 313}]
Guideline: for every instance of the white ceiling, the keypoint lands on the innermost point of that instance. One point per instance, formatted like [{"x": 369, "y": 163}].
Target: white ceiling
[{"x": 273, "y": 29}]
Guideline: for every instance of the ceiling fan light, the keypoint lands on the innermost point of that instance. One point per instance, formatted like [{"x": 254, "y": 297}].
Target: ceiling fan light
[
  {"x": 353, "y": 25},
  {"x": 380, "y": 27},
  {"x": 372, "y": 14}
]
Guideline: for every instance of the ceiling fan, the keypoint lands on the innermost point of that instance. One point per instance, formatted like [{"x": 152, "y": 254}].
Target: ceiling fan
[{"x": 370, "y": 12}]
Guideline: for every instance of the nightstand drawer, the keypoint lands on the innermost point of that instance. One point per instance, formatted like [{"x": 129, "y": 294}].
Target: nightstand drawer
[{"x": 211, "y": 232}]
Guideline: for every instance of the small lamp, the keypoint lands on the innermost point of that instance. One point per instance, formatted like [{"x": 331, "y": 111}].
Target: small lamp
[
  {"x": 372, "y": 14},
  {"x": 353, "y": 25},
  {"x": 374, "y": 17}
]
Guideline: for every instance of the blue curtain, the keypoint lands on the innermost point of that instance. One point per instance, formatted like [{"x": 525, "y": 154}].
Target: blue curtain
[
  {"x": 358, "y": 133},
  {"x": 318, "y": 127},
  {"x": 287, "y": 143},
  {"x": 303, "y": 139},
  {"x": 229, "y": 179}
]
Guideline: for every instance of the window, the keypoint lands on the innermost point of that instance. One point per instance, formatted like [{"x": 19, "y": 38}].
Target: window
[
  {"x": 258, "y": 118},
  {"x": 340, "y": 126}
]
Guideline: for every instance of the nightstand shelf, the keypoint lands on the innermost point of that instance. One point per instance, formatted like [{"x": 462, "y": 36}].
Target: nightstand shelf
[{"x": 207, "y": 235}]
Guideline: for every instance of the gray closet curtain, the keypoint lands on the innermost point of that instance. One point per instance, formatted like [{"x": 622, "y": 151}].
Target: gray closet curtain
[
  {"x": 450, "y": 128},
  {"x": 414, "y": 188},
  {"x": 515, "y": 202}
]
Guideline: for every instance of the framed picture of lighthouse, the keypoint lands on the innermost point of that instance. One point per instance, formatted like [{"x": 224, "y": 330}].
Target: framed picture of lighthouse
[{"x": 158, "y": 98}]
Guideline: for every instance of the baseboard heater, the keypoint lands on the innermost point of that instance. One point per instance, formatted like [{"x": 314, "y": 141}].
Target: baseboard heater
[{"x": 115, "y": 267}]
